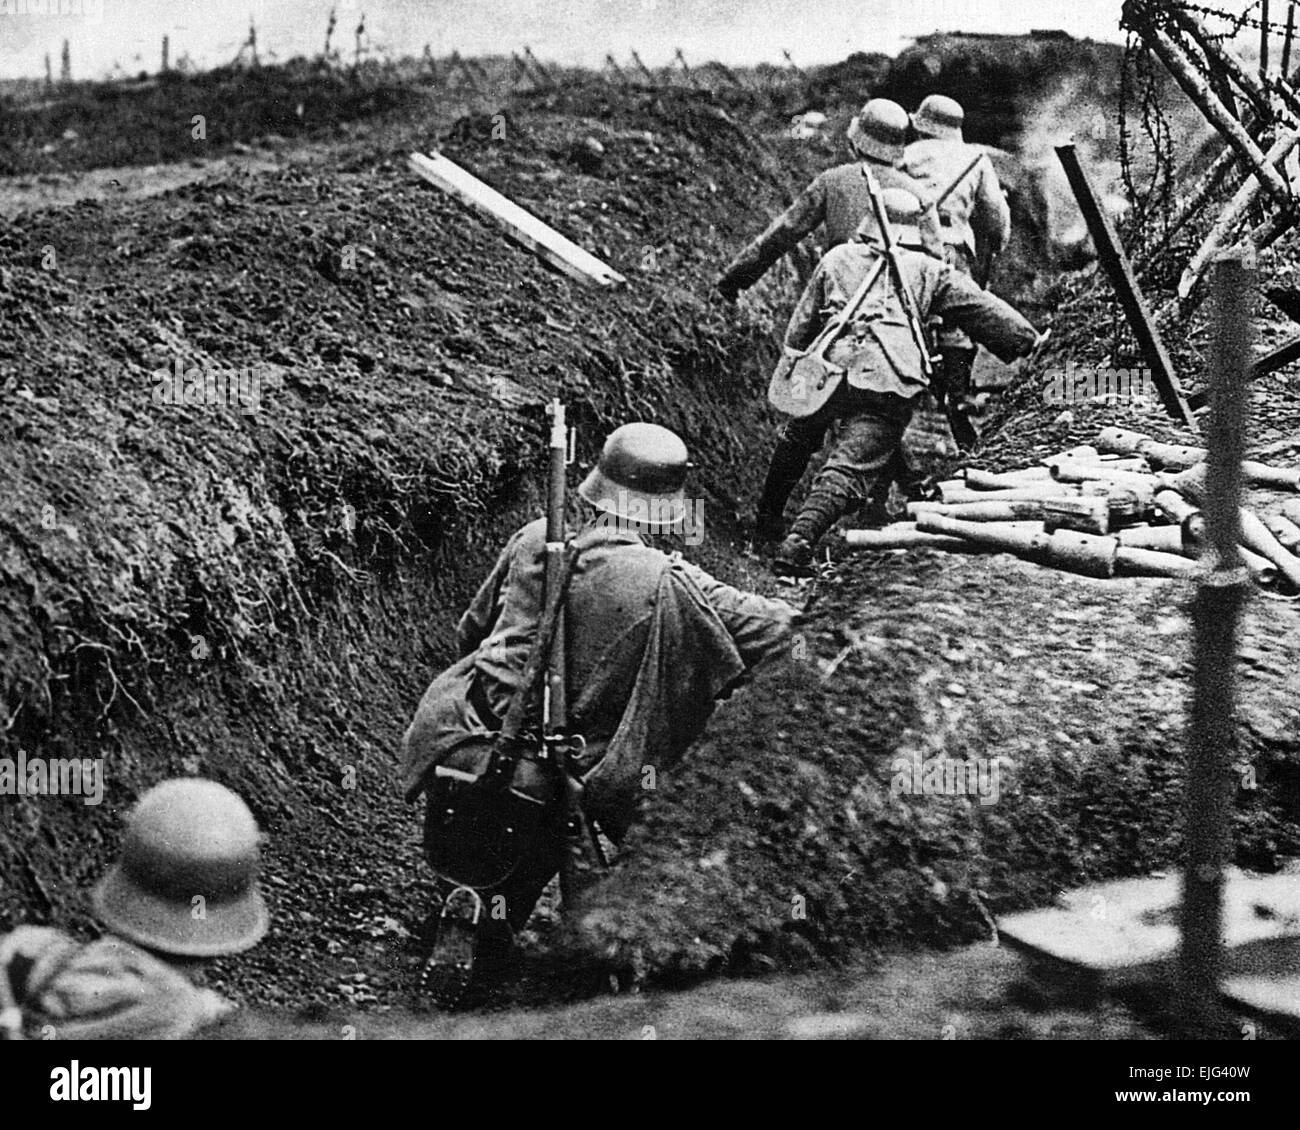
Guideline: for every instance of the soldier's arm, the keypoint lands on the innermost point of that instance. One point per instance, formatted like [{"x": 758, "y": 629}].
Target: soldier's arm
[
  {"x": 991, "y": 215},
  {"x": 995, "y": 324},
  {"x": 760, "y": 627},
  {"x": 481, "y": 614},
  {"x": 782, "y": 234}
]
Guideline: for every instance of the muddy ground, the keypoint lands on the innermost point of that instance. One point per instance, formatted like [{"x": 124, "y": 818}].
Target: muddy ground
[{"x": 262, "y": 596}]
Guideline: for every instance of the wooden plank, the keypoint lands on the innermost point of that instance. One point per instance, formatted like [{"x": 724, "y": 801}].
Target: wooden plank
[
  {"x": 520, "y": 225},
  {"x": 1116, "y": 263},
  {"x": 1125, "y": 932},
  {"x": 1276, "y": 359},
  {"x": 1274, "y": 999}
]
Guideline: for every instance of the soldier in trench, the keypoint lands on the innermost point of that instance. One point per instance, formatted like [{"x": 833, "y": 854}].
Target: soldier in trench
[
  {"x": 184, "y": 889},
  {"x": 872, "y": 403},
  {"x": 651, "y": 642},
  {"x": 837, "y": 200},
  {"x": 975, "y": 223}
]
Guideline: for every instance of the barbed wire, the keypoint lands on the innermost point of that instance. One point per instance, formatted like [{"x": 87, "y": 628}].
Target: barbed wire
[{"x": 1238, "y": 20}]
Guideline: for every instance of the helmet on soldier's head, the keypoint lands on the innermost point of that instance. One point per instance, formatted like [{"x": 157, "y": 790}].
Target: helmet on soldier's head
[
  {"x": 640, "y": 478},
  {"x": 879, "y": 131},
  {"x": 186, "y": 882},
  {"x": 939, "y": 116},
  {"x": 903, "y": 210}
]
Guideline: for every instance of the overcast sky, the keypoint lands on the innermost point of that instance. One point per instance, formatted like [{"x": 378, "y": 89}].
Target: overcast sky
[{"x": 129, "y": 32}]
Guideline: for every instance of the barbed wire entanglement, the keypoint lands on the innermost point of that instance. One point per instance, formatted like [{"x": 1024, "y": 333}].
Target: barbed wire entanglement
[
  {"x": 1233, "y": 188},
  {"x": 1154, "y": 200}
]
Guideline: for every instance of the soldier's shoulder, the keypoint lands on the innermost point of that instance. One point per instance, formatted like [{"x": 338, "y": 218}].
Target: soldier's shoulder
[
  {"x": 896, "y": 176},
  {"x": 841, "y": 253},
  {"x": 533, "y": 533},
  {"x": 848, "y": 173}
]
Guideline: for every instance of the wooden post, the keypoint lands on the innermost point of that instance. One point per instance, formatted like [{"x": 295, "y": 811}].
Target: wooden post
[
  {"x": 685, "y": 69},
  {"x": 644, "y": 69},
  {"x": 1263, "y": 36},
  {"x": 1286, "y": 41},
  {"x": 1218, "y": 56},
  {"x": 521, "y": 68},
  {"x": 65, "y": 64},
  {"x": 536, "y": 62},
  {"x": 49, "y": 71},
  {"x": 793, "y": 65},
  {"x": 727, "y": 73},
  {"x": 1215, "y": 613},
  {"x": 610, "y": 62},
  {"x": 464, "y": 69},
  {"x": 164, "y": 55},
  {"x": 1232, "y": 215},
  {"x": 1120, "y": 271},
  {"x": 1198, "y": 90}
]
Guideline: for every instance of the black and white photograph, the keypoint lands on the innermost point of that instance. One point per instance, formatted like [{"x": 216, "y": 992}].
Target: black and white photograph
[{"x": 658, "y": 520}]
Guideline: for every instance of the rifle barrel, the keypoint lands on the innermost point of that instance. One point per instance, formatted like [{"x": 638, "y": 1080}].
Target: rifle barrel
[{"x": 555, "y": 702}]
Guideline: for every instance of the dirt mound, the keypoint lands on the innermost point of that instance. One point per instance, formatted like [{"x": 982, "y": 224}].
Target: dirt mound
[
  {"x": 1068, "y": 694},
  {"x": 96, "y": 124}
]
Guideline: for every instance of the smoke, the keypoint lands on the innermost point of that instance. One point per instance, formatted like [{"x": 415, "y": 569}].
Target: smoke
[{"x": 1084, "y": 108}]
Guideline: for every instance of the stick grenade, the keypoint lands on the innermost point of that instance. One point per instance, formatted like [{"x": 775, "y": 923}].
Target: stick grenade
[{"x": 1215, "y": 614}]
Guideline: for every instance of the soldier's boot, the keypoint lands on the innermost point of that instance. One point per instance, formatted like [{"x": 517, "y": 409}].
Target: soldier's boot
[
  {"x": 958, "y": 364},
  {"x": 825, "y": 505},
  {"x": 449, "y": 965},
  {"x": 789, "y": 462},
  {"x": 473, "y": 945}
]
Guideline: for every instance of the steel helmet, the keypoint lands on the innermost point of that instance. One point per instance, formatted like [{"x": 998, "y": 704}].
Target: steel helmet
[
  {"x": 903, "y": 210},
  {"x": 640, "y": 478},
  {"x": 939, "y": 116},
  {"x": 186, "y": 882},
  {"x": 880, "y": 130}
]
